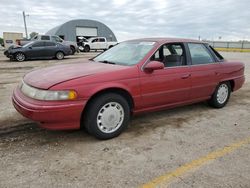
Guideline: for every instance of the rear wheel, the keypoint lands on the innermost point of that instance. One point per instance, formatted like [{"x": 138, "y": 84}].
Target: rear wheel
[
  {"x": 221, "y": 95},
  {"x": 107, "y": 116},
  {"x": 19, "y": 56},
  {"x": 73, "y": 50},
  {"x": 59, "y": 55}
]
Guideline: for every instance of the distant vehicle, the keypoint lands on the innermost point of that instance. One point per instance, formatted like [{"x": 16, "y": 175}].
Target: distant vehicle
[
  {"x": 73, "y": 45},
  {"x": 97, "y": 43},
  {"x": 38, "y": 50},
  {"x": 134, "y": 76}
]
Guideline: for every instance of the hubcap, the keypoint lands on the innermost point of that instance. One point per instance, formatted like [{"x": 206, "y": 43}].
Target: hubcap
[
  {"x": 110, "y": 117},
  {"x": 59, "y": 55},
  {"x": 222, "y": 93},
  {"x": 20, "y": 57}
]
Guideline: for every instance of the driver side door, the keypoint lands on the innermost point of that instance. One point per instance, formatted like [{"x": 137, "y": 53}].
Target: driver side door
[{"x": 168, "y": 86}]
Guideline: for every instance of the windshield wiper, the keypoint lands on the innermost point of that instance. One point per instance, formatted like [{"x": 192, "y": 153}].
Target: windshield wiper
[{"x": 107, "y": 62}]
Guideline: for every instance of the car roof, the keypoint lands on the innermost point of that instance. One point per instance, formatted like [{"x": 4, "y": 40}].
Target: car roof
[{"x": 167, "y": 40}]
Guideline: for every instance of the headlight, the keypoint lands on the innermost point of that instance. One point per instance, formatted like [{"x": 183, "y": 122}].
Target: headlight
[{"x": 47, "y": 95}]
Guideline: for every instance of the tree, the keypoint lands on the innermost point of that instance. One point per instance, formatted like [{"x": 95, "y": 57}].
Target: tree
[
  {"x": 1, "y": 41},
  {"x": 32, "y": 34}
]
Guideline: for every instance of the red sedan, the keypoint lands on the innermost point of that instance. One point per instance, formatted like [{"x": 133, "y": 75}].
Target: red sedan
[{"x": 134, "y": 76}]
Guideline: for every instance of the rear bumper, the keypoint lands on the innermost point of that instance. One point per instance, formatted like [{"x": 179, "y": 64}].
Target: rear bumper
[{"x": 60, "y": 115}]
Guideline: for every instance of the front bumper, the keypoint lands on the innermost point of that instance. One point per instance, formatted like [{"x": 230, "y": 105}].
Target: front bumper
[{"x": 54, "y": 115}]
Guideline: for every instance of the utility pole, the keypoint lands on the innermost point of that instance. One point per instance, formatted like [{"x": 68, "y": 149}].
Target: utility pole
[{"x": 25, "y": 26}]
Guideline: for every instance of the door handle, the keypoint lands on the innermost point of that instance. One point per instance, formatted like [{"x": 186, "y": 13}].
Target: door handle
[{"x": 185, "y": 76}]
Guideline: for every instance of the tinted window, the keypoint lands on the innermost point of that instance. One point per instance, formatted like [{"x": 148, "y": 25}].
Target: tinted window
[
  {"x": 38, "y": 44},
  {"x": 45, "y": 37},
  {"x": 94, "y": 40},
  {"x": 199, "y": 54},
  {"x": 50, "y": 44},
  {"x": 101, "y": 40},
  {"x": 171, "y": 55},
  {"x": 56, "y": 39}
]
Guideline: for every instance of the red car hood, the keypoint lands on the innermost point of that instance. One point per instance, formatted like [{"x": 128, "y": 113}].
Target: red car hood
[{"x": 48, "y": 77}]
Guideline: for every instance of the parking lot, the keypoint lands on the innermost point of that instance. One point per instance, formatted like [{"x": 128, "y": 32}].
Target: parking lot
[{"x": 191, "y": 146}]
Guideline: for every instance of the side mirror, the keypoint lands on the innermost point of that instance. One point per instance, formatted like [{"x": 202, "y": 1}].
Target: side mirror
[
  {"x": 30, "y": 47},
  {"x": 153, "y": 65}
]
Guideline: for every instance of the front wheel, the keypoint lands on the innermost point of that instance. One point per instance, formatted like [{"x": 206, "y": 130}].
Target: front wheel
[
  {"x": 59, "y": 55},
  {"x": 19, "y": 56},
  {"x": 221, "y": 95},
  {"x": 86, "y": 48},
  {"x": 107, "y": 116}
]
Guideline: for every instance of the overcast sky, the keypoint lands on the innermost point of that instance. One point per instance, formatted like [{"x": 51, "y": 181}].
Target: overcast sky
[{"x": 210, "y": 19}]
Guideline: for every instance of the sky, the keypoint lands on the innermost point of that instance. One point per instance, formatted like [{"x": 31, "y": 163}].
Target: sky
[{"x": 129, "y": 19}]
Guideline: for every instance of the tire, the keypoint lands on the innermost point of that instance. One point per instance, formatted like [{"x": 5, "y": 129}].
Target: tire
[
  {"x": 19, "y": 56},
  {"x": 107, "y": 116},
  {"x": 221, "y": 95},
  {"x": 73, "y": 50},
  {"x": 110, "y": 46},
  {"x": 59, "y": 55},
  {"x": 86, "y": 48}
]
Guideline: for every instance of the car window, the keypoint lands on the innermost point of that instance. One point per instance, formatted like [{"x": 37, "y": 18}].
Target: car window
[
  {"x": 217, "y": 54},
  {"x": 38, "y": 44},
  {"x": 94, "y": 40},
  {"x": 171, "y": 55},
  {"x": 101, "y": 40},
  {"x": 50, "y": 44},
  {"x": 126, "y": 53},
  {"x": 56, "y": 39},
  {"x": 199, "y": 54},
  {"x": 45, "y": 37}
]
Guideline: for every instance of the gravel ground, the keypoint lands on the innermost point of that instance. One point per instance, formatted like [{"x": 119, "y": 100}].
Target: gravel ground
[{"x": 154, "y": 144}]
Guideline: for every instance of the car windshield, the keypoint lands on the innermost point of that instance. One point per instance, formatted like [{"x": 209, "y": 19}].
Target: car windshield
[
  {"x": 28, "y": 44},
  {"x": 125, "y": 53}
]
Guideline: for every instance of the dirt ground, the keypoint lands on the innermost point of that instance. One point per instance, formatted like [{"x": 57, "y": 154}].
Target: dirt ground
[{"x": 153, "y": 145}]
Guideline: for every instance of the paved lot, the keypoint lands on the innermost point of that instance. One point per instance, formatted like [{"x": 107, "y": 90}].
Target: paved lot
[{"x": 191, "y": 146}]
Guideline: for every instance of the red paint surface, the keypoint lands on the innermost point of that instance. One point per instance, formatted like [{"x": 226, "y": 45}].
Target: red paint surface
[{"x": 165, "y": 88}]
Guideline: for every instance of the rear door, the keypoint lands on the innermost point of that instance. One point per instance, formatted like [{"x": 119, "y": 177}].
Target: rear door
[
  {"x": 170, "y": 85},
  {"x": 50, "y": 49},
  {"x": 37, "y": 50},
  {"x": 204, "y": 71},
  {"x": 102, "y": 44}
]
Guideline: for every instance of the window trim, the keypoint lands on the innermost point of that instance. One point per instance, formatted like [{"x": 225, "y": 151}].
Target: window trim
[{"x": 213, "y": 53}]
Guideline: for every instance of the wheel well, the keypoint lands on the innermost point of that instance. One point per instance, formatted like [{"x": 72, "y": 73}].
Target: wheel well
[
  {"x": 20, "y": 52},
  {"x": 119, "y": 91},
  {"x": 71, "y": 46},
  {"x": 232, "y": 84},
  {"x": 60, "y": 51}
]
